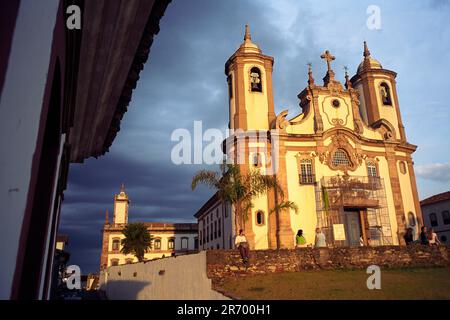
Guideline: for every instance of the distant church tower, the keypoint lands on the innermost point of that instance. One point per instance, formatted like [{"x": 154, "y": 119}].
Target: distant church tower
[{"x": 121, "y": 203}]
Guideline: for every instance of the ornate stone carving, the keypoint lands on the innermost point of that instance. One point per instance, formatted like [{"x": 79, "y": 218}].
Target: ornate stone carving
[
  {"x": 280, "y": 121},
  {"x": 340, "y": 142}
]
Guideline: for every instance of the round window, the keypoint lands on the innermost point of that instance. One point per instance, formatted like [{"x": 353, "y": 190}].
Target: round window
[{"x": 335, "y": 103}]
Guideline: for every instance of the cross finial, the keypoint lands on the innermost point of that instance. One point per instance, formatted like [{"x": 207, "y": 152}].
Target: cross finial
[
  {"x": 247, "y": 33},
  {"x": 122, "y": 187},
  {"x": 328, "y": 57},
  {"x": 366, "y": 50},
  {"x": 310, "y": 75},
  {"x": 348, "y": 84}
]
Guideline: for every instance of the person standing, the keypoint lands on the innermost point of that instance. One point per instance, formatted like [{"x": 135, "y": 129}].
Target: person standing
[
  {"x": 242, "y": 245},
  {"x": 424, "y": 237},
  {"x": 409, "y": 239},
  {"x": 320, "y": 239},
  {"x": 300, "y": 239},
  {"x": 433, "y": 238}
]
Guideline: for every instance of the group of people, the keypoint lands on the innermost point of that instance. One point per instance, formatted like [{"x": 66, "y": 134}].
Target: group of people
[
  {"x": 300, "y": 240},
  {"x": 427, "y": 237},
  {"x": 320, "y": 240}
]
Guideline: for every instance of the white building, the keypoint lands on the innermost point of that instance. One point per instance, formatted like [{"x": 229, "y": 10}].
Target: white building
[{"x": 436, "y": 215}]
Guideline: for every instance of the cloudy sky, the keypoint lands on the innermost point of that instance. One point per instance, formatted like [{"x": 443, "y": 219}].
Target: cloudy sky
[{"x": 184, "y": 81}]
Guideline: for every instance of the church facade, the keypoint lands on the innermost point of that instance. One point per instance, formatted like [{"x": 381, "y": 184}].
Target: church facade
[
  {"x": 167, "y": 238},
  {"x": 344, "y": 160}
]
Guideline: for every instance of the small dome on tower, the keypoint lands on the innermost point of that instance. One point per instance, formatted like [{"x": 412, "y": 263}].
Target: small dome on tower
[
  {"x": 368, "y": 62},
  {"x": 248, "y": 45},
  {"x": 122, "y": 194}
]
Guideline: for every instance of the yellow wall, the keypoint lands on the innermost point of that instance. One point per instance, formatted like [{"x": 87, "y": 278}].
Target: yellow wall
[{"x": 120, "y": 212}]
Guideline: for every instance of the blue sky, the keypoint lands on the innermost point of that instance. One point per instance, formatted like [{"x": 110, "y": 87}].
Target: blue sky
[{"x": 184, "y": 81}]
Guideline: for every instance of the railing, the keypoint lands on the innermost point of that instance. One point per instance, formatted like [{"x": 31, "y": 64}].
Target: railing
[
  {"x": 307, "y": 178},
  {"x": 352, "y": 191},
  {"x": 353, "y": 183}
]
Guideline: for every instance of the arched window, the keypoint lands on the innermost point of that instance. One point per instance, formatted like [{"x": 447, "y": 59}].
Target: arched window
[
  {"x": 411, "y": 219},
  {"x": 340, "y": 158},
  {"x": 157, "y": 244},
  {"x": 116, "y": 244},
  {"x": 402, "y": 167},
  {"x": 171, "y": 243},
  {"x": 385, "y": 93},
  {"x": 372, "y": 169},
  {"x": 129, "y": 261},
  {"x": 114, "y": 262},
  {"x": 255, "y": 80},
  {"x": 446, "y": 217},
  {"x": 230, "y": 86},
  {"x": 184, "y": 243},
  {"x": 306, "y": 172},
  {"x": 260, "y": 219},
  {"x": 433, "y": 219},
  {"x": 256, "y": 160}
]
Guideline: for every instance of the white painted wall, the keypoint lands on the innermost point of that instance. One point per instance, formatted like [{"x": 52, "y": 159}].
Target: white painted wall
[
  {"x": 441, "y": 229},
  {"x": 184, "y": 278},
  {"x": 212, "y": 215},
  {"x": 20, "y": 107}
]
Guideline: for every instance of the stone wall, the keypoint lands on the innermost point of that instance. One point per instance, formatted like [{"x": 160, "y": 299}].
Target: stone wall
[{"x": 227, "y": 263}]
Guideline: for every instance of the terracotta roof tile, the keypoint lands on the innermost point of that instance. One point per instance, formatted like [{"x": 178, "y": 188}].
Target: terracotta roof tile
[{"x": 436, "y": 198}]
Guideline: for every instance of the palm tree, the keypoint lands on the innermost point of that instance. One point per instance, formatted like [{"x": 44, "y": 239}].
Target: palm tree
[
  {"x": 240, "y": 189},
  {"x": 137, "y": 240}
]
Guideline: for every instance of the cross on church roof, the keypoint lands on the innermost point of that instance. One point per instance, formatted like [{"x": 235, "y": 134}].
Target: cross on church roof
[{"x": 328, "y": 57}]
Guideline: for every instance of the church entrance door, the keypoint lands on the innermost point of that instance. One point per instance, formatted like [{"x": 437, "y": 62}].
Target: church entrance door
[{"x": 352, "y": 227}]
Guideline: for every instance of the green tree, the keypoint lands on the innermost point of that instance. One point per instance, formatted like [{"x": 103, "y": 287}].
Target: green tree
[
  {"x": 137, "y": 240},
  {"x": 239, "y": 189}
]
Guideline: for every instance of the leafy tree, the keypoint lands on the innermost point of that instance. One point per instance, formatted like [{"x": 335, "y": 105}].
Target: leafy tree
[
  {"x": 240, "y": 189},
  {"x": 137, "y": 240}
]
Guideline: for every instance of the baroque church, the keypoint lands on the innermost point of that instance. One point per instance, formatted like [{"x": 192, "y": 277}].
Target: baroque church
[{"x": 344, "y": 160}]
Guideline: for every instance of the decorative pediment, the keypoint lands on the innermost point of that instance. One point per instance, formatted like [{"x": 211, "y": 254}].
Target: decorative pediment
[
  {"x": 341, "y": 155},
  {"x": 280, "y": 121},
  {"x": 386, "y": 129}
]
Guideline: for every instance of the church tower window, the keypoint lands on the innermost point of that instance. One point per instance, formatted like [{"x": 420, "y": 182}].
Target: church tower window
[
  {"x": 230, "y": 86},
  {"x": 411, "y": 219},
  {"x": 116, "y": 245},
  {"x": 255, "y": 80},
  {"x": 257, "y": 160},
  {"x": 385, "y": 94},
  {"x": 340, "y": 158}
]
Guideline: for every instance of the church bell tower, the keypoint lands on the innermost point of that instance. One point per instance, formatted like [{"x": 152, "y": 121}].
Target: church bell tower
[
  {"x": 121, "y": 203},
  {"x": 249, "y": 76}
]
